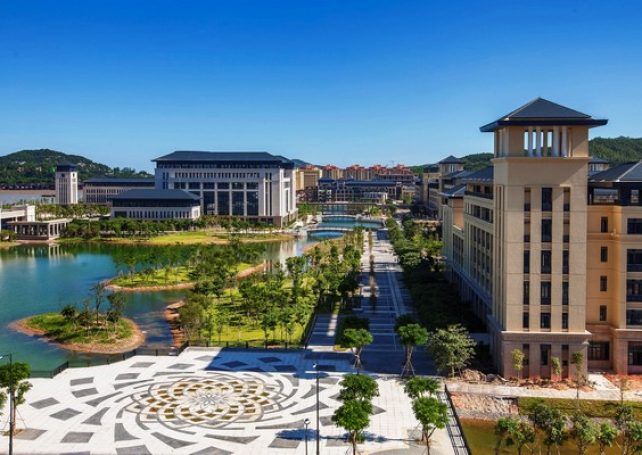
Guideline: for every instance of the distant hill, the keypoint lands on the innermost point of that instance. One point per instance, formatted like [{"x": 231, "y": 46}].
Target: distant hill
[
  {"x": 28, "y": 167},
  {"x": 615, "y": 150}
]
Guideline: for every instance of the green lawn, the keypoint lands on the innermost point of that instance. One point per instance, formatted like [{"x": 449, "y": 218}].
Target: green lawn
[
  {"x": 57, "y": 327},
  {"x": 480, "y": 435},
  {"x": 165, "y": 276},
  {"x": 211, "y": 236}
]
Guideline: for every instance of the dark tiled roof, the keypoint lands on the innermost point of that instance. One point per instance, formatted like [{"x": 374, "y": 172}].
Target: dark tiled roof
[
  {"x": 430, "y": 168},
  {"x": 455, "y": 191},
  {"x": 165, "y": 195},
  {"x": 120, "y": 180},
  {"x": 627, "y": 172},
  {"x": 482, "y": 175},
  {"x": 66, "y": 165},
  {"x": 451, "y": 160},
  {"x": 228, "y": 157},
  {"x": 543, "y": 112},
  {"x": 457, "y": 175}
]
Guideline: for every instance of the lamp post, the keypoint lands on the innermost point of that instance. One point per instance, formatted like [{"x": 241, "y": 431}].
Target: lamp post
[
  {"x": 316, "y": 368},
  {"x": 306, "y": 422},
  {"x": 11, "y": 401}
]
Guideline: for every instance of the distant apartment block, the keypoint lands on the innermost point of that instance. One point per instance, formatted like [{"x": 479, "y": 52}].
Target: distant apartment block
[{"x": 256, "y": 186}]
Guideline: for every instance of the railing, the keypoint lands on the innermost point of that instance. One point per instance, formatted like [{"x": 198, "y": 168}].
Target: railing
[
  {"x": 478, "y": 194},
  {"x": 456, "y": 432}
]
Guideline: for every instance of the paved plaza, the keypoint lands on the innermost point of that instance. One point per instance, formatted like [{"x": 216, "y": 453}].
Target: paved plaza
[{"x": 206, "y": 402}]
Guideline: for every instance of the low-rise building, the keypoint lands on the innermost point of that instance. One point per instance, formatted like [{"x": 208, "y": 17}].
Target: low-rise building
[
  {"x": 145, "y": 204},
  {"x": 102, "y": 190}
]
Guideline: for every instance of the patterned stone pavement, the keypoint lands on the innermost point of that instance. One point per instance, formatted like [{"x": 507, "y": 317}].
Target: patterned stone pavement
[{"x": 212, "y": 401}]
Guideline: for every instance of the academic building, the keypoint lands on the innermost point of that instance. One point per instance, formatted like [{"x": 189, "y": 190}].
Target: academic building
[
  {"x": 102, "y": 190},
  {"x": 256, "y": 186},
  {"x": 546, "y": 245}
]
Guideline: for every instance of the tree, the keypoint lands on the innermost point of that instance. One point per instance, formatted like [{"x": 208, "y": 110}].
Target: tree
[
  {"x": 411, "y": 335},
  {"x": 269, "y": 321},
  {"x": 191, "y": 315},
  {"x": 354, "y": 417},
  {"x": 518, "y": 361},
  {"x": 520, "y": 435},
  {"x": 356, "y": 340},
  {"x": 584, "y": 432},
  {"x": 358, "y": 387},
  {"x": 117, "y": 301},
  {"x": 13, "y": 377},
  {"x": 551, "y": 422},
  {"x": 451, "y": 348},
  {"x": 606, "y": 436},
  {"x": 624, "y": 418},
  {"x": 577, "y": 359},
  {"x": 98, "y": 294},
  {"x": 69, "y": 313},
  {"x": 431, "y": 414},
  {"x": 556, "y": 367},
  {"x": 503, "y": 428},
  {"x": 419, "y": 386}
]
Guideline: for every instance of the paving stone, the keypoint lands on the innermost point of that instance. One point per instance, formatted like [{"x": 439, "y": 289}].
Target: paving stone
[
  {"x": 281, "y": 443},
  {"x": 236, "y": 439},
  {"x": 96, "y": 401},
  {"x": 120, "y": 434},
  {"x": 181, "y": 366},
  {"x": 124, "y": 376},
  {"x": 310, "y": 409},
  {"x": 81, "y": 381},
  {"x": 65, "y": 414},
  {"x": 211, "y": 451},
  {"x": 44, "y": 403},
  {"x": 134, "y": 450},
  {"x": 173, "y": 443},
  {"x": 122, "y": 385},
  {"x": 30, "y": 434},
  {"x": 282, "y": 426},
  {"x": 84, "y": 392},
  {"x": 96, "y": 418},
  {"x": 77, "y": 437},
  {"x": 269, "y": 359},
  {"x": 285, "y": 368},
  {"x": 336, "y": 442},
  {"x": 142, "y": 365},
  {"x": 312, "y": 392},
  {"x": 205, "y": 358},
  {"x": 76, "y": 453}
]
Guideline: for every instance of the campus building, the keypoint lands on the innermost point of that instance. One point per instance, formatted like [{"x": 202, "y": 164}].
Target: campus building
[
  {"x": 66, "y": 184},
  {"x": 256, "y": 186},
  {"x": 546, "y": 256},
  {"x": 146, "y": 204},
  {"x": 102, "y": 190}
]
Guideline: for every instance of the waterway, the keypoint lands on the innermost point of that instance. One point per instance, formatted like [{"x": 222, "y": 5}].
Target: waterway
[{"x": 42, "y": 278}]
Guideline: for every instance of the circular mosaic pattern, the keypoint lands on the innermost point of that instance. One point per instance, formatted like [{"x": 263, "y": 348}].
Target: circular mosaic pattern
[{"x": 212, "y": 401}]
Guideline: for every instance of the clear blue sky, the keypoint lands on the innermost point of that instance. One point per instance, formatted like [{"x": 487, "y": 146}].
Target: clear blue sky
[{"x": 335, "y": 81}]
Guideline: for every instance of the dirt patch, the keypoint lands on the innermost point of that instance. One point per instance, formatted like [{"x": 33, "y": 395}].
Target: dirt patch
[
  {"x": 113, "y": 347},
  {"x": 484, "y": 407},
  {"x": 633, "y": 383},
  {"x": 173, "y": 318}
]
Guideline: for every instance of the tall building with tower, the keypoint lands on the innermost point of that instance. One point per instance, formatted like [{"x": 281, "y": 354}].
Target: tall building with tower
[{"x": 66, "y": 184}]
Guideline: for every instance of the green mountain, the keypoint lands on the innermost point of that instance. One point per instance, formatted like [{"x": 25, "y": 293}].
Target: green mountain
[
  {"x": 38, "y": 167},
  {"x": 615, "y": 150}
]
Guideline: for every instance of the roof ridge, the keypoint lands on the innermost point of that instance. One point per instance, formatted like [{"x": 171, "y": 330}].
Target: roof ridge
[{"x": 629, "y": 170}]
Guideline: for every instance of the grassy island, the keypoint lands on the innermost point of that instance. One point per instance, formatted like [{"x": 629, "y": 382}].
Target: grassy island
[{"x": 107, "y": 338}]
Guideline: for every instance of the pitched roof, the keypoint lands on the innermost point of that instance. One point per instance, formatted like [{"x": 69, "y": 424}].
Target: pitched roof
[
  {"x": 543, "y": 112},
  {"x": 483, "y": 175},
  {"x": 455, "y": 191},
  {"x": 627, "y": 172},
  {"x": 228, "y": 157},
  {"x": 164, "y": 195},
  {"x": 451, "y": 160}
]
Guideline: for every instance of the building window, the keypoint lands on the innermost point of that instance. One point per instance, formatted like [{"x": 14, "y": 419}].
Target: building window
[
  {"x": 634, "y": 290},
  {"x": 602, "y": 313},
  {"x": 603, "y": 284},
  {"x": 545, "y": 320},
  {"x": 547, "y": 230},
  {"x": 545, "y": 294},
  {"x": 634, "y": 226},
  {"x": 634, "y": 260},
  {"x": 599, "y": 350},
  {"x": 564, "y": 292},
  {"x": 565, "y": 254},
  {"x": 604, "y": 224},
  {"x": 604, "y": 254},
  {"x": 252, "y": 203},
  {"x": 635, "y": 353},
  {"x": 544, "y": 353},
  {"x": 546, "y": 262},
  {"x": 527, "y": 261},
  {"x": 564, "y": 321},
  {"x": 547, "y": 199},
  {"x": 527, "y": 293},
  {"x": 526, "y": 350},
  {"x": 633, "y": 317},
  {"x": 525, "y": 320}
]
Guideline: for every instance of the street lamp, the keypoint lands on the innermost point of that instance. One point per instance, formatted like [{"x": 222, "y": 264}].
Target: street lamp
[
  {"x": 306, "y": 422},
  {"x": 11, "y": 401},
  {"x": 316, "y": 368}
]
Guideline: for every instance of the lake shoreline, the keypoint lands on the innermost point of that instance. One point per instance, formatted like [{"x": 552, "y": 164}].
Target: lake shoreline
[{"x": 136, "y": 340}]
